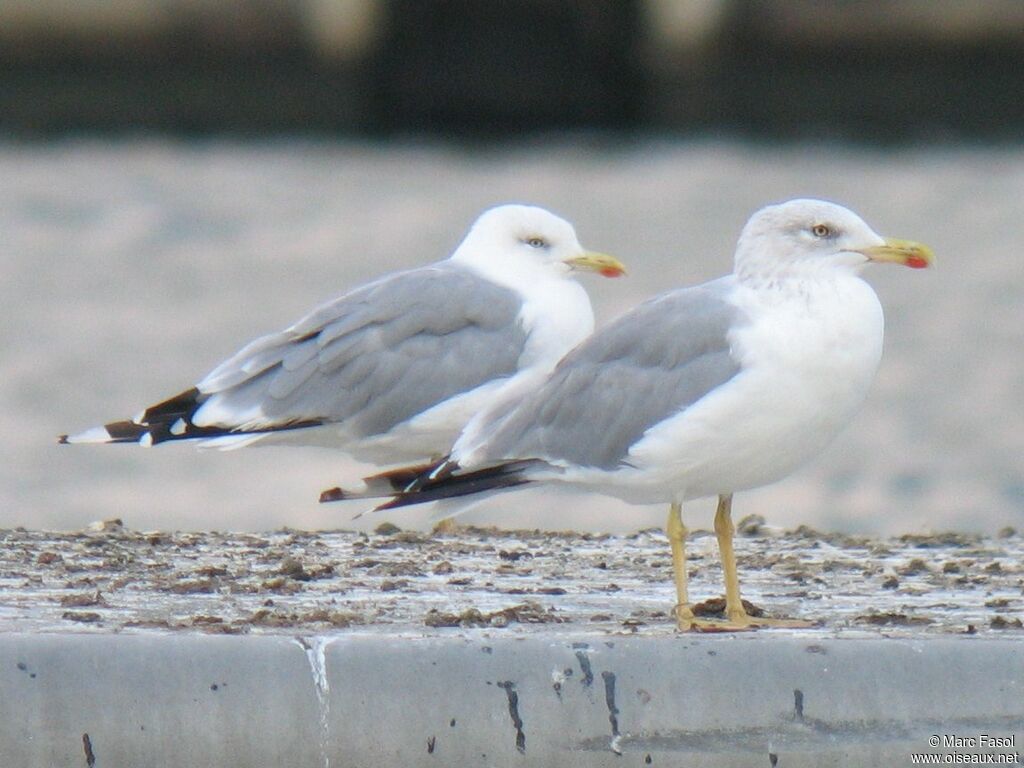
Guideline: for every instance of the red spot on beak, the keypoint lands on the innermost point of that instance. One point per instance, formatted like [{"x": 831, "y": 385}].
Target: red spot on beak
[
  {"x": 612, "y": 272},
  {"x": 916, "y": 262}
]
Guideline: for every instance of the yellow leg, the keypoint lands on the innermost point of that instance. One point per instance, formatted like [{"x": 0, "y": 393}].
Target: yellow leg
[
  {"x": 737, "y": 618},
  {"x": 676, "y": 533},
  {"x": 736, "y": 615},
  {"x": 724, "y": 531}
]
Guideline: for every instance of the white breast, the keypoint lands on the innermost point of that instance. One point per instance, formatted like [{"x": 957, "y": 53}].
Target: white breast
[
  {"x": 808, "y": 362},
  {"x": 557, "y": 316}
]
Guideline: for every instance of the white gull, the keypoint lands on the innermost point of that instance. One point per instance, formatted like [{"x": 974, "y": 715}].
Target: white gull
[
  {"x": 392, "y": 371},
  {"x": 702, "y": 391}
]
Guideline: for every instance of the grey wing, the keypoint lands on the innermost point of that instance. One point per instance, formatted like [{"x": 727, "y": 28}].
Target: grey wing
[
  {"x": 647, "y": 366},
  {"x": 374, "y": 357}
]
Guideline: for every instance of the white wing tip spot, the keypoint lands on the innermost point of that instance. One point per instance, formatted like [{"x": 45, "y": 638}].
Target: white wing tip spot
[{"x": 94, "y": 435}]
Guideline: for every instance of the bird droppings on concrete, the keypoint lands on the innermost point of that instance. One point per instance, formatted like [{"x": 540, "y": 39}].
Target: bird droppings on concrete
[{"x": 109, "y": 578}]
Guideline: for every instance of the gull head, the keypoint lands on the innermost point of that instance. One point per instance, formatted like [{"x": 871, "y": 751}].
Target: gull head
[
  {"x": 803, "y": 237},
  {"x": 529, "y": 240}
]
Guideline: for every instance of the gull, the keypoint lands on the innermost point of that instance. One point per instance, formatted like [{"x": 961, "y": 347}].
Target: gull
[
  {"x": 702, "y": 391},
  {"x": 392, "y": 370}
]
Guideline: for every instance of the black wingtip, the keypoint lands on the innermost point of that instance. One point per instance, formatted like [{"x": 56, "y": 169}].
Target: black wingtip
[
  {"x": 408, "y": 486},
  {"x": 125, "y": 431},
  {"x": 332, "y": 494},
  {"x": 449, "y": 485},
  {"x": 62, "y": 440}
]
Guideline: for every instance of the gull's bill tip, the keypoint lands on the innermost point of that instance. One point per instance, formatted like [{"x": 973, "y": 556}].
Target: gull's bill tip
[
  {"x": 602, "y": 263},
  {"x": 906, "y": 252}
]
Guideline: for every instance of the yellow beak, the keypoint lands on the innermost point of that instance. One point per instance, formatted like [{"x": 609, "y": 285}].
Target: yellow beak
[
  {"x": 905, "y": 252},
  {"x": 602, "y": 263}
]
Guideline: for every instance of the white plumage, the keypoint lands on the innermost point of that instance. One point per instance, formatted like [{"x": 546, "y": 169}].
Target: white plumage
[
  {"x": 702, "y": 391},
  {"x": 393, "y": 370}
]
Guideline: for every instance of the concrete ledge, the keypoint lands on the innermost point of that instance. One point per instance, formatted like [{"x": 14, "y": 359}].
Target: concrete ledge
[
  {"x": 469, "y": 697},
  {"x": 112, "y": 579}
]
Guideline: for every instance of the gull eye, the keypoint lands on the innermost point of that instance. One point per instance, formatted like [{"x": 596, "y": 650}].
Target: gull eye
[
  {"x": 821, "y": 230},
  {"x": 536, "y": 242}
]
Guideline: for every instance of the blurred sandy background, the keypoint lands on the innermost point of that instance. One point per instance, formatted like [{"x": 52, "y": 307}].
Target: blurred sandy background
[{"x": 161, "y": 204}]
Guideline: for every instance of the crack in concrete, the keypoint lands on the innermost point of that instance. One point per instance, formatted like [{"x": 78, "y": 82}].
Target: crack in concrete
[
  {"x": 613, "y": 711},
  {"x": 582, "y": 649},
  {"x": 90, "y": 757},
  {"x": 513, "y": 710}
]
